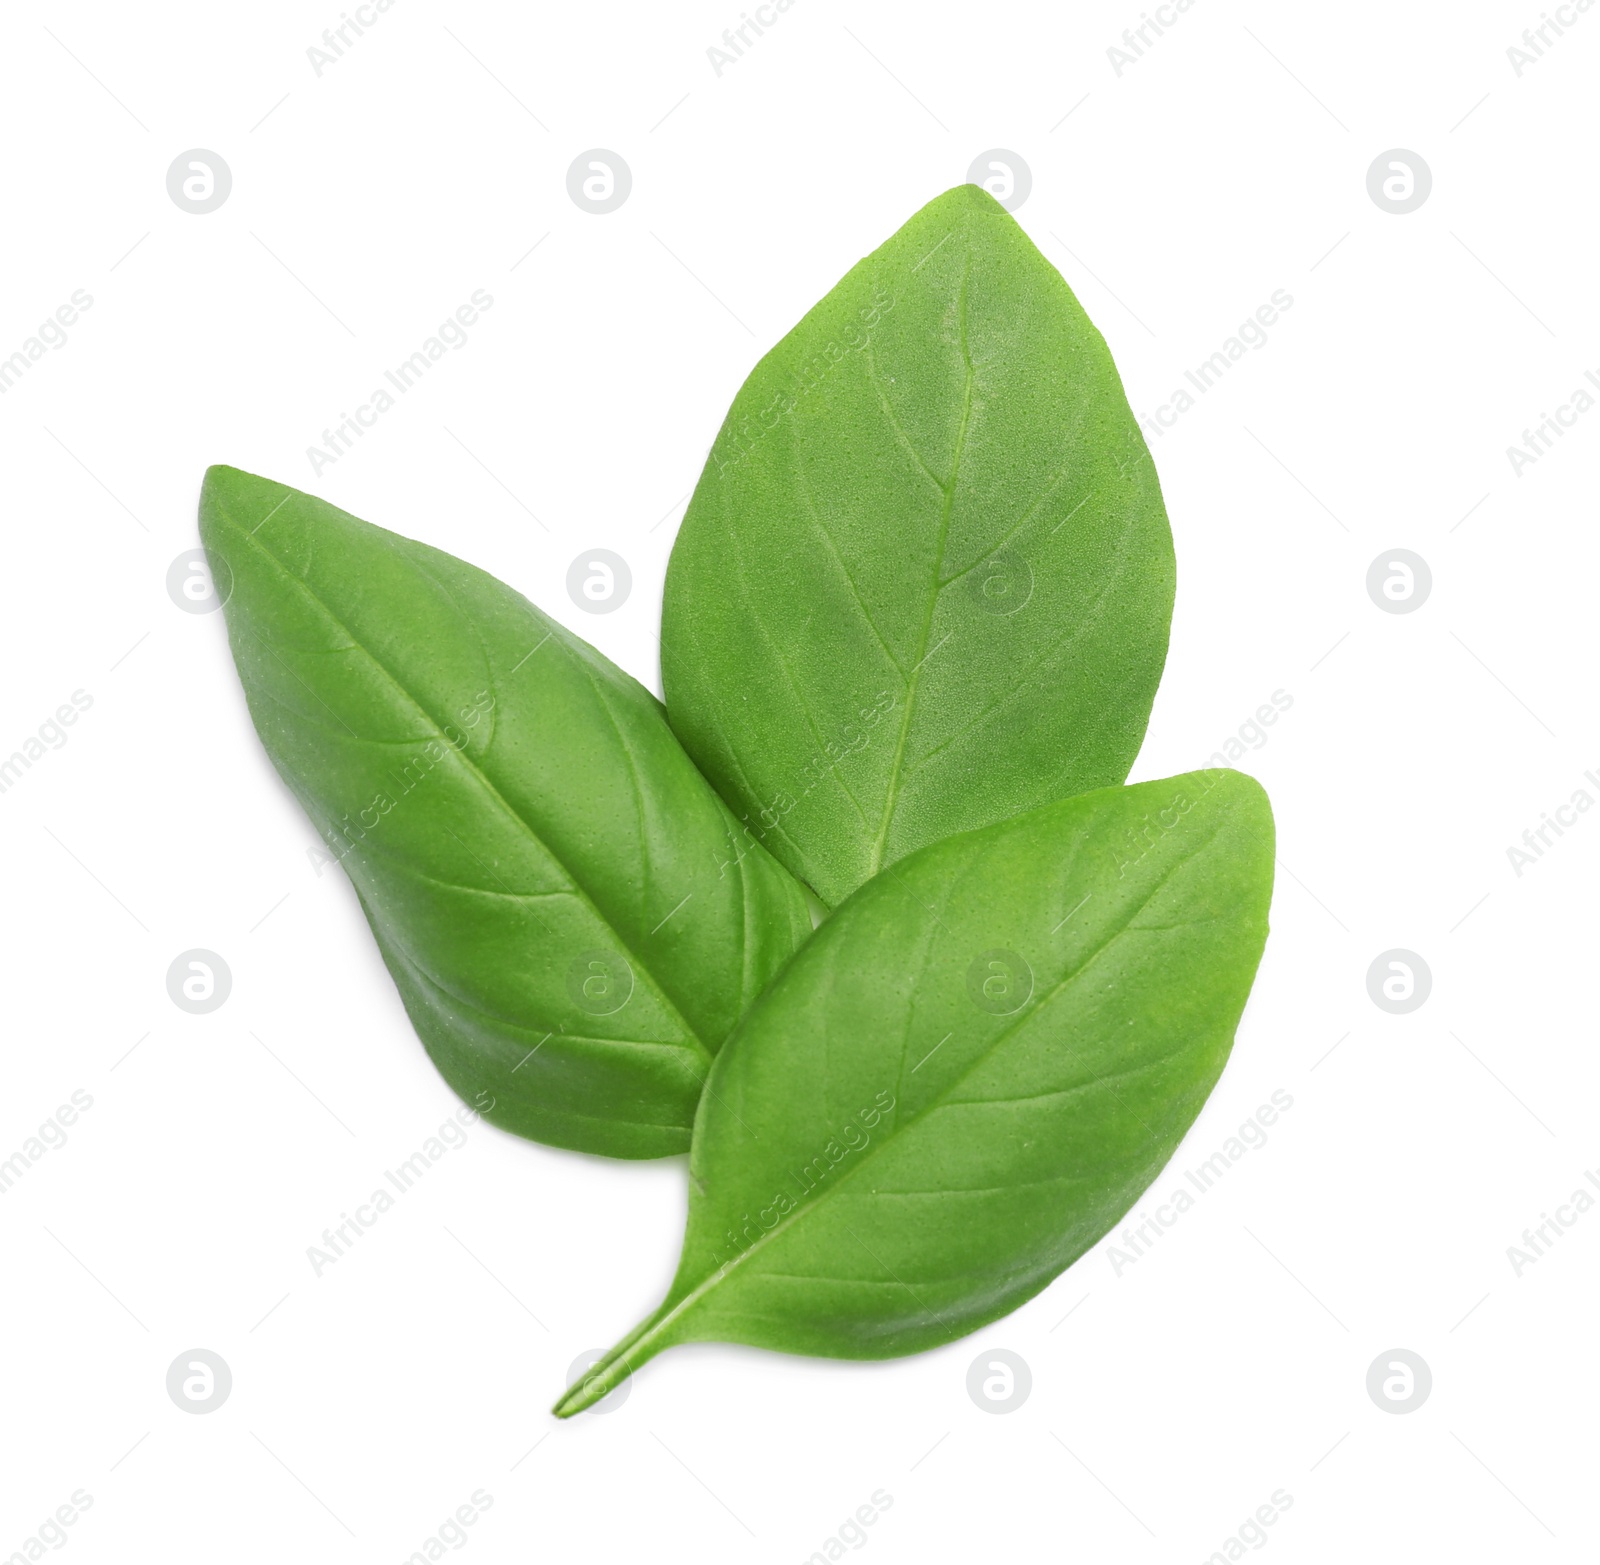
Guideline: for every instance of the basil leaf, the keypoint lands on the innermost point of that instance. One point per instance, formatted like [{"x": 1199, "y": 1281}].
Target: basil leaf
[
  {"x": 967, "y": 1076},
  {"x": 556, "y": 890},
  {"x": 926, "y": 578}
]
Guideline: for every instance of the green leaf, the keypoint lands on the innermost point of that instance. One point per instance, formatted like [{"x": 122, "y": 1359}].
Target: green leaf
[
  {"x": 556, "y": 890},
  {"x": 967, "y": 1076},
  {"x": 926, "y": 578}
]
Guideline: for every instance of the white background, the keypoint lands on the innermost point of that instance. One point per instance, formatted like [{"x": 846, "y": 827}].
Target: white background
[{"x": 367, "y": 204}]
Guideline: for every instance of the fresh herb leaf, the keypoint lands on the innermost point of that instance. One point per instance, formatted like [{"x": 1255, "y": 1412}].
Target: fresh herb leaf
[
  {"x": 575, "y": 921},
  {"x": 926, "y": 579},
  {"x": 967, "y": 1076}
]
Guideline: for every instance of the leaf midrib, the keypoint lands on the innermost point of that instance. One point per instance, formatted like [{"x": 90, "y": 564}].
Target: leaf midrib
[
  {"x": 471, "y": 765},
  {"x": 940, "y": 1100},
  {"x": 896, "y": 766}
]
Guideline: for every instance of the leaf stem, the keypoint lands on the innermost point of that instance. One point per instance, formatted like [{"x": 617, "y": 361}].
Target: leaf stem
[{"x": 608, "y": 1372}]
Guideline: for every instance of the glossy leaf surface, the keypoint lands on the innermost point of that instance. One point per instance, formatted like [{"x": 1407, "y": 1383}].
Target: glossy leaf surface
[
  {"x": 968, "y": 1075},
  {"x": 926, "y": 578},
  {"x": 554, "y": 887}
]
